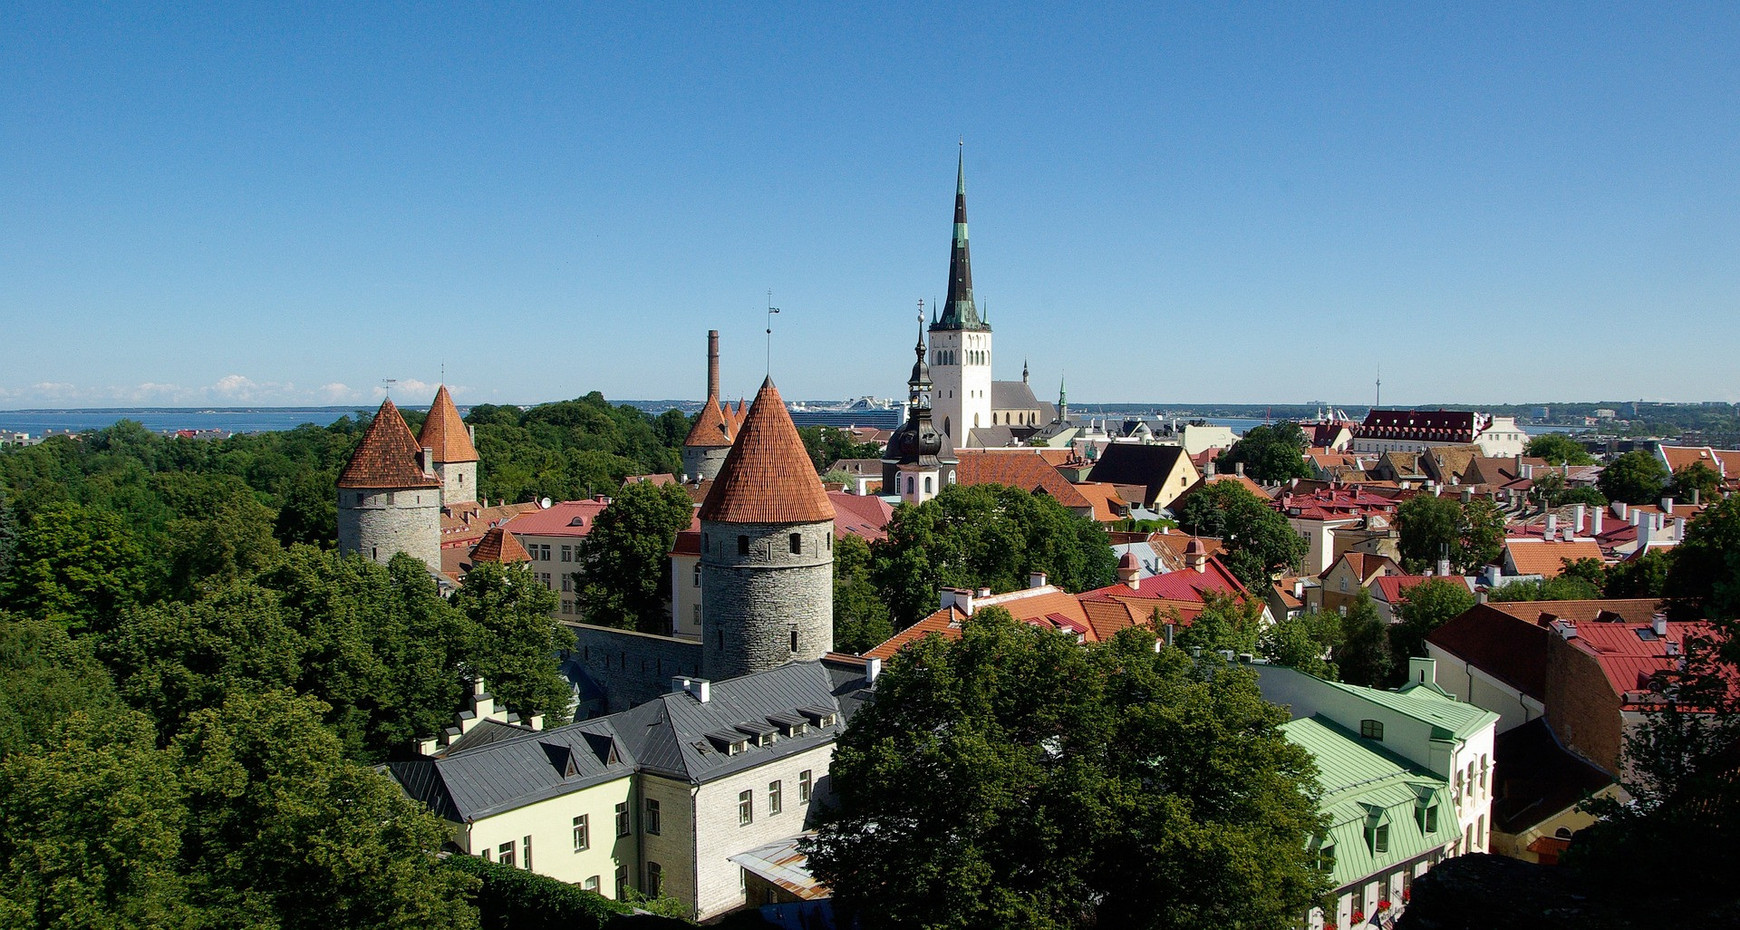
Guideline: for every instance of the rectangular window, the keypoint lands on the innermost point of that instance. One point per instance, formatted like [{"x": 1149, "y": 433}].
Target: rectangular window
[
  {"x": 622, "y": 819},
  {"x": 655, "y": 879},
  {"x": 567, "y": 607},
  {"x": 483, "y": 854},
  {"x": 527, "y": 849},
  {"x": 773, "y": 799},
  {"x": 567, "y": 553},
  {"x": 1432, "y": 818},
  {"x": 621, "y": 882},
  {"x": 1372, "y": 729},
  {"x": 504, "y": 854},
  {"x": 804, "y": 786},
  {"x": 697, "y": 583},
  {"x": 651, "y": 821},
  {"x": 582, "y": 835},
  {"x": 592, "y": 884},
  {"x": 742, "y": 545},
  {"x": 745, "y": 809},
  {"x": 567, "y": 582},
  {"x": 797, "y": 543},
  {"x": 1381, "y": 839}
]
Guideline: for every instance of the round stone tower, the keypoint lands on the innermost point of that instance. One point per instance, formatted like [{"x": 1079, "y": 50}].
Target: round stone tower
[
  {"x": 389, "y": 498},
  {"x": 709, "y": 440},
  {"x": 767, "y": 550}
]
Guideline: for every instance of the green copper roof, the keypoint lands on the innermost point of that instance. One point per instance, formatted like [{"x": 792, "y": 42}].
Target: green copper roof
[
  {"x": 958, "y": 311},
  {"x": 1363, "y": 787},
  {"x": 1457, "y": 719}
]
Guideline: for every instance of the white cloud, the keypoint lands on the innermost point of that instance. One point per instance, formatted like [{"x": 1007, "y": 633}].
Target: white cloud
[
  {"x": 411, "y": 391},
  {"x": 335, "y": 392}
]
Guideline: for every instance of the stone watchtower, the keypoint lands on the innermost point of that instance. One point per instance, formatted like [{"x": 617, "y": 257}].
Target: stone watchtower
[
  {"x": 710, "y": 438},
  {"x": 389, "y": 498},
  {"x": 447, "y": 437},
  {"x": 767, "y": 550}
]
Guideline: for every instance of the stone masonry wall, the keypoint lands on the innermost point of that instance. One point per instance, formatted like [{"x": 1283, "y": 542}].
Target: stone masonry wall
[
  {"x": 703, "y": 461},
  {"x": 753, "y": 603},
  {"x": 631, "y": 667},
  {"x": 379, "y": 523},
  {"x": 719, "y": 834},
  {"x": 458, "y": 482}
]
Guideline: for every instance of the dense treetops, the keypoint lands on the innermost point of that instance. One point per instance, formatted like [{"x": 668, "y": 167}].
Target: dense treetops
[
  {"x": 1017, "y": 779},
  {"x": 196, "y": 682}
]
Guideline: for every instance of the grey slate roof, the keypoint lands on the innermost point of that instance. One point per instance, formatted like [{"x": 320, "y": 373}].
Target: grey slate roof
[
  {"x": 1018, "y": 395},
  {"x": 509, "y": 773},
  {"x": 665, "y": 736},
  {"x": 1136, "y": 463}
]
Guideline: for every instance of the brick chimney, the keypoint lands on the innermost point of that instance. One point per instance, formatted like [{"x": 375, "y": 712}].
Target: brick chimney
[{"x": 712, "y": 363}]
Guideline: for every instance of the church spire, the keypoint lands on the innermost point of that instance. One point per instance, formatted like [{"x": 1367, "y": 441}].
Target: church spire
[
  {"x": 1062, "y": 402},
  {"x": 958, "y": 309}
]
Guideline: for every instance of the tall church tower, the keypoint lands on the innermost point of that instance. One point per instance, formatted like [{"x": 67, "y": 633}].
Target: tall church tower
[
  {"x": 960, "y": 342},
  {"x": 767, "y": 550},
  {"x": 448, "y": 439},
  {"x": 389, "y": 497},
  {"x": 915, "y": 464}
]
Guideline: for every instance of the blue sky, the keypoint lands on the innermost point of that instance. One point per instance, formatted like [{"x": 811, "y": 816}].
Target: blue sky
[{"x": 232, "y": 203}]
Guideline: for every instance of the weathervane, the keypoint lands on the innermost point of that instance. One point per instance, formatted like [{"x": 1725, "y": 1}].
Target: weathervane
[
  {"x": 389, "y": 382},
  {"x": 771, "y": 310}
]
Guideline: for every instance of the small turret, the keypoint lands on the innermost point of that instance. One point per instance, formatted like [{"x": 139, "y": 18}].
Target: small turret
[{"x": 389, "y": 497}]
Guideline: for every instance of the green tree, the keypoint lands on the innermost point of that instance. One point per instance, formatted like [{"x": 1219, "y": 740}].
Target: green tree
[
  {"x": 1695, "y": 480},
  {"x": 1271, "y": 454},
  {"x": 78, "y": 564},
  {"x": 1304, "y": 642},
  {"x": 827, "y": 445},
  {"x": 233, "y": 541},
  {"x": 861, "y": 620},
  {"x": 1582, "y": 494},
  {"x": 310, "y": 511},
  {"x": 1640, "y": 576},
  {"x": 282, "y": 831},
  {"x": 1705, "y": 571},
  {"x": 516, "y": 640},
  {"x": 1471, "y": 533},
  {"x": 1423, "y": 608},
  {"x": 1227, "y": 622},
  {"x": 1259, "y": 542},
  {"x": 1016, "y": 779},
  {"x": 1636, "y": 477},
  {"x": 45, "y": 677},
  {"x": 989, "y": 536},
  {"x": 1363, "y": 656},
  {"x": 1558, "y": 449},
  {"x": 90, "y": 830},
  {"x": 624, "y": 576},
  {"x": 1560, "y": 588}
]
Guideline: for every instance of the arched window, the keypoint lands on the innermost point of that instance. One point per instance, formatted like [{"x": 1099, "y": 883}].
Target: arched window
[
  {"x": 927, "y": 484},
  {"x": 1372, "y": 729},
  {"x": 911, "y": 485}
]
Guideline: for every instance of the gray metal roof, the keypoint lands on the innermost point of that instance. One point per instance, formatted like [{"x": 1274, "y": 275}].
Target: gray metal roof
[{"x": 667, "y": 736}]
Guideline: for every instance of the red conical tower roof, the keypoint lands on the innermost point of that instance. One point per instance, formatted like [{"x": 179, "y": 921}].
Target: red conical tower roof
[
  {"x": 445, "y": 433},
  {"x": 767, "y": 477},
  {"x": 712, "y": 428},
  {"x": 388, "y": 456},
  {"x": 499, "y": 545}
]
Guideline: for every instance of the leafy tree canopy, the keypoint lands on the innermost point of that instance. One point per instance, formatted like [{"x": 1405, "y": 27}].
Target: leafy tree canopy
[
  {"x": 1471, "y": 533},
  {"x": 625, "y": 567},
  {"x": 827, "y": 445},
  {"x": 1696, "y": 480},
  {"x": 1304, "y": 642},
  {"x": 1705, "y": 567},
  {"x": 1271, "y": 454},
  {"x": 1016, "y": 779},
  {"x": 1558, "y": 449},
  {"x": 985, "y": 536},
  {"x": 1363, "y": 655},
  {"x": 1636, "y": 477},
  {"x": 1259, "y": 542},
  {"x": 861, "y": 620},
  {"x": 1425, "y": 607}
]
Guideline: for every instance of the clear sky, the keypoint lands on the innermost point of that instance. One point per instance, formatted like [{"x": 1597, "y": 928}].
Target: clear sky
[{"x": 226, "y": 203}]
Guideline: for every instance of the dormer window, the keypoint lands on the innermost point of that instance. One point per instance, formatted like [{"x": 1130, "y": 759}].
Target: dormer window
[
  {"x": 820, "y": 717},
  {"x": 1372, "y": 729}
]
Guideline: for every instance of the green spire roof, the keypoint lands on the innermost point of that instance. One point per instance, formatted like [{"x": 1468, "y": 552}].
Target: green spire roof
[{"x": 958, "y": 310}]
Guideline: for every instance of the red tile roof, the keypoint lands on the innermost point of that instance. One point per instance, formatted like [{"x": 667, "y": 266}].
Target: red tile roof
[
  {"x": 388, "y": 456},
  {"x": 445, "y": 433},
  {"x": 1632, "y": 656},
  {"x": 1500, "y": 643},
  {"x": 1544, "y": 558},
  {"x": 1108, "y": 504},
  {"x": 1184, "y": 585},
  {"x": 1048, "y": 606},
  {"x": 713, "y": 428},
  {"x": 566, "y": 518},
  {"x": 767, "y": 477},
  {"x": 1631, "y": 609},
  {"x": 861, "y": 515},
  {"x": 499, "y": 545},
  {"x": 1026, "y": 469}
]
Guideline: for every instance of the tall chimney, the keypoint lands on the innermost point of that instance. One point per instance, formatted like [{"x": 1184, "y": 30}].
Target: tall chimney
[
  {"x": 1595, "y": 519},
  {"x": 712, "y": 363}
]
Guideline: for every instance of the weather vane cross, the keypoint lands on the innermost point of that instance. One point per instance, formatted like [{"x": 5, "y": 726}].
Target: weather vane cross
[{"x": 389, "y": 382}]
